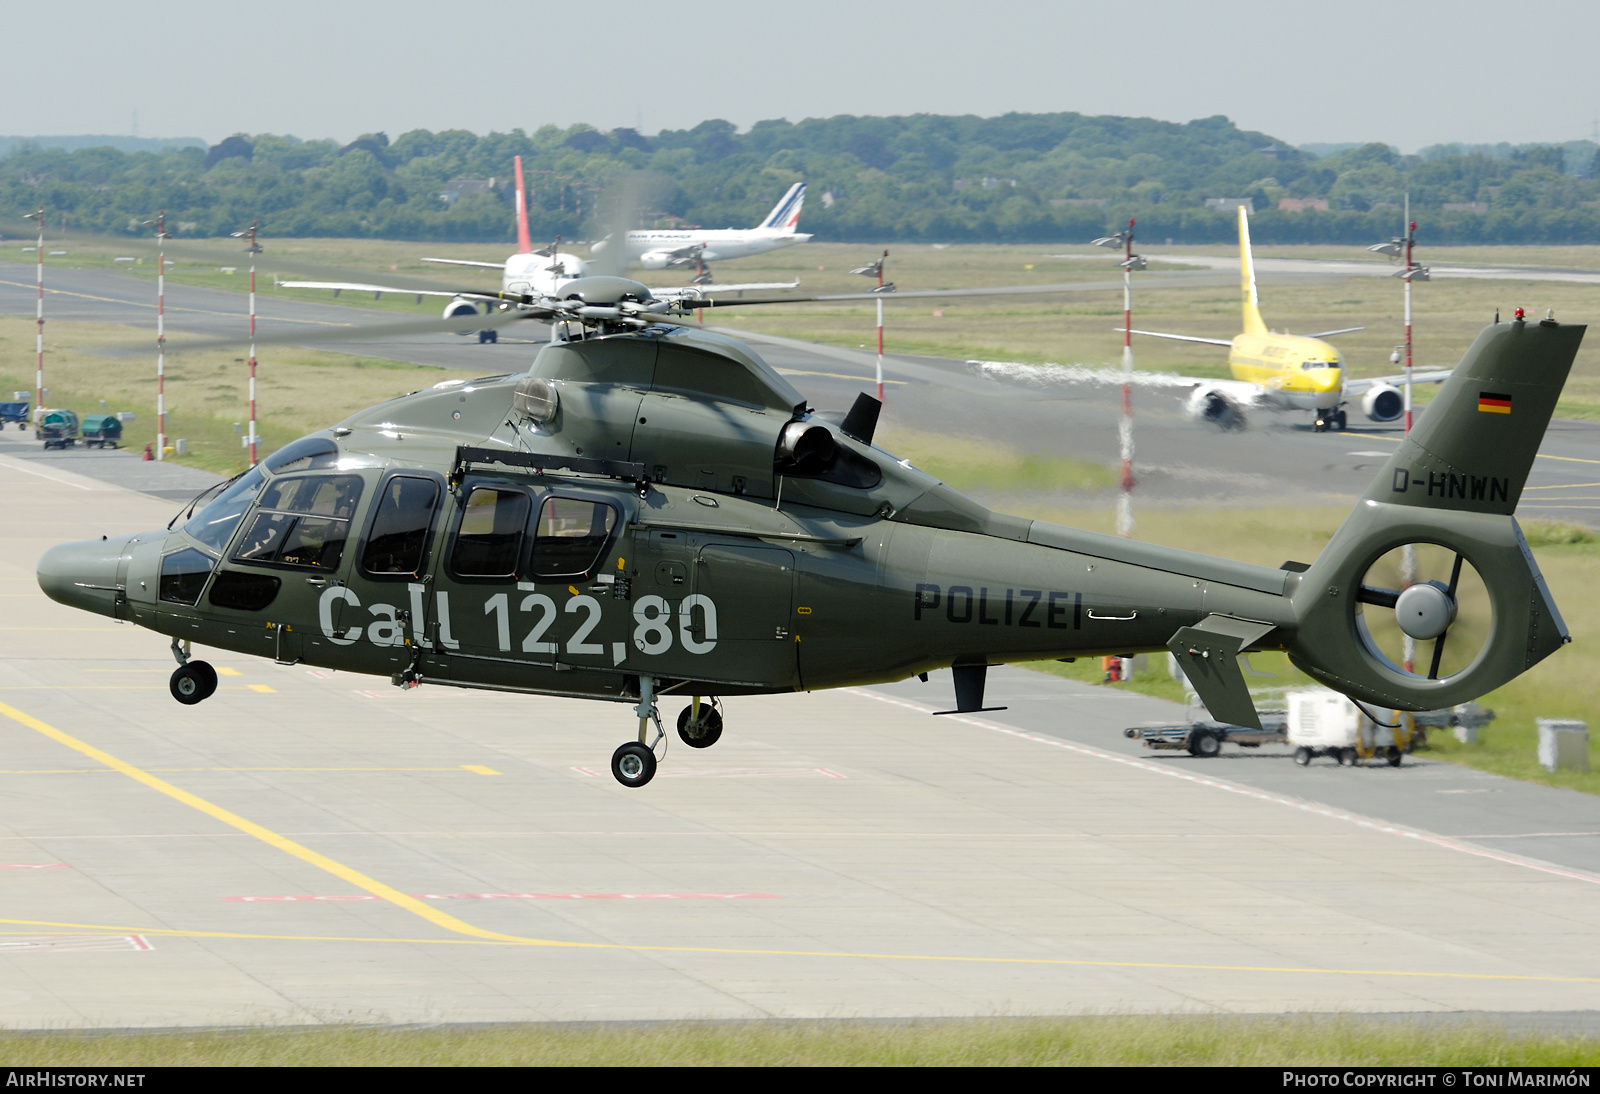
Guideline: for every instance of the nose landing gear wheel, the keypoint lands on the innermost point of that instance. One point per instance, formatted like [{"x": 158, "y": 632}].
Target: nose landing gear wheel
[
  {"x": 703, "y": 733},
  {"x": 193, "y": 683},
  {"x": 633, "y": 764}
]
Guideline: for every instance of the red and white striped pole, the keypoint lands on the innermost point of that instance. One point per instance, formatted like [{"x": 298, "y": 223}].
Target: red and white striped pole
[
  {"x": 161, "y": 334},
  {"x": 254, "y": 250},
  {"x": 38, "y": 362},
  {"x": 1411, "y": 242},
  {"x": 1125, "y": 426},
  {"x": 880, "y": 327}
]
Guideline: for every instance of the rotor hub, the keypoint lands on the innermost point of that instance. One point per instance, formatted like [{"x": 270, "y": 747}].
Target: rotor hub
[{"x": 1425, "y": 610}]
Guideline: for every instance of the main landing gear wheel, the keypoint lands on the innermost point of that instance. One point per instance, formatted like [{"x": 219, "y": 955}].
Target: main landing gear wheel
[
  {"x": 633, "y": 764},
  {"x": 193, "y": 683},
  {"x": 703, "y": 733},
  {"x": 1341, "y": 421}
]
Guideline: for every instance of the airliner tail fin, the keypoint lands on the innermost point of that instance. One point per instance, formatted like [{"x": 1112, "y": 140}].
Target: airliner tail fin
[
  {"x": 524, "y": 244},
  {"x": 786, "y": 214},
  {"x": 1247, "y": 279}
]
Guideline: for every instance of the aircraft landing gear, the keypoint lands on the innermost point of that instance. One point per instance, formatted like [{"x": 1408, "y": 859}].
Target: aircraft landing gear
[
  {"x": 1341, "y": 421},
  {"x": 634, "y": 764},
  {"x": 488, "y": 336},
  {"x": 192, "y": 681},
  {"x": 700, "y": 724}
]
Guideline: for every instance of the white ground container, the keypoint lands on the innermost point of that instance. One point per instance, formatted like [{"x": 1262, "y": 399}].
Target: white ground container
[
  {"x": 1563, "y": 745},
  {"x": 1322, "y": 718}
]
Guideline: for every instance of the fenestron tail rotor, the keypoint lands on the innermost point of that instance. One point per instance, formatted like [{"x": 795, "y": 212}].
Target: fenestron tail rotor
[{"x": 1424, "y": 609}]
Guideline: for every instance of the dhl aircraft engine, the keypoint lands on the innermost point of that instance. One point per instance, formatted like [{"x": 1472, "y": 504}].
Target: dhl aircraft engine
[{"x": 1383, "y": 403}]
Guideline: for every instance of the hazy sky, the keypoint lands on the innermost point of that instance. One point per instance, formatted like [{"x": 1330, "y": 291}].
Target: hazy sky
[{"x": 1409, "y": 72}]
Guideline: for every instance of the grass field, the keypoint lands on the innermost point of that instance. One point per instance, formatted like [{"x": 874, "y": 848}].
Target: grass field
[{"x": 1120, "y": 1040}]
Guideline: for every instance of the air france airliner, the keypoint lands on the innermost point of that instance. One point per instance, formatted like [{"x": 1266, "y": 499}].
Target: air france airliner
[{"x": 659, "y": 249}]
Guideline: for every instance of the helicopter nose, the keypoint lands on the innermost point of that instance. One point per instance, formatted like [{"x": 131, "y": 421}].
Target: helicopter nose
[{"x": 84, "y": 574}]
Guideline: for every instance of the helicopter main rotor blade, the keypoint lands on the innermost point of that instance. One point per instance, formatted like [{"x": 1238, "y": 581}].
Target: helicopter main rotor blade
[
  {"x": 365, "y": 332},
  {"x": 916, "y": 294},
  {"x": 212, "y": 252}
]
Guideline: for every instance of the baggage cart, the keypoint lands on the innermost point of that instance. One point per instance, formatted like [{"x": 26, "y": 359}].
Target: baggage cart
[
  {"x": 101, "y": 431},
  {"x": 58, "y": 429}
]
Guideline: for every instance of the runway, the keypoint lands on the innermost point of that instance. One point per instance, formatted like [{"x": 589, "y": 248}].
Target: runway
[{"x": 310, "y": 847}]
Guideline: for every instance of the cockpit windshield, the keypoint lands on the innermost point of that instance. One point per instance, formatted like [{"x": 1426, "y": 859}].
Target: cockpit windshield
[
  {"x": 1307, "y": 366},
  {"x": 213, "y": 525}
]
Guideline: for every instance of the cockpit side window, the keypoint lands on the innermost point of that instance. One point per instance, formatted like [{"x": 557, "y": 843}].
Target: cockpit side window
[
  {"x": 183, "y": 575},
  {"x": 398, "y": 541},
  {"x": 570, "y": 538},
  {"x": 489, "y": 539},
  {"x": 302, "y": 522}
]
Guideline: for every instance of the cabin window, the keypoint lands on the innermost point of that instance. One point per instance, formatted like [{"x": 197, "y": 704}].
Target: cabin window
[
  {"x": 183, "y": 575},
  {"x": 398, "y": 541},
  {"x": 571, "y": 536},
  {"x": 489, "y": 539},
  {"x": 302, "y": 522}
]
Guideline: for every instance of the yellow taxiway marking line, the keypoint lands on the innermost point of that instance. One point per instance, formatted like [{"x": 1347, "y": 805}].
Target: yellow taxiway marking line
[
  {"x": 836, "y": 376},
  {"x": 266, "y": 835},
  {"x": 479, "y": 769},
  {"x": 1561, "y": 486},
  {"x": 510, "y": 940},
  {"x": 264, "y": 689}
]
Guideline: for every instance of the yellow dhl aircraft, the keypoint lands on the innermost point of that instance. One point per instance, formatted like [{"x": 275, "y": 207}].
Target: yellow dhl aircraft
[{"x": 1287, "y": 371}]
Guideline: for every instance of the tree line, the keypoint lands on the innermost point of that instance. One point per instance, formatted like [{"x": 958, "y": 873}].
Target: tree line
[{"x": 1036, "y": 178}]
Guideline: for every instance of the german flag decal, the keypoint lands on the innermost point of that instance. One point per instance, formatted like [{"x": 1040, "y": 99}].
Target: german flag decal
[{"x": 1491, "y": 402}]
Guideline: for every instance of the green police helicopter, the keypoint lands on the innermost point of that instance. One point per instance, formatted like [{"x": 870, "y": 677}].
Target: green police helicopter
[{"x": 652, "y": 511}]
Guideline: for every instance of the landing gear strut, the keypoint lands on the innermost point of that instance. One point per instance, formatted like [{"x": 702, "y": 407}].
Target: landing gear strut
[
  {"x": 700, "y": 724},
  {"x": 634, "y": 764},
  {"x": 192, "y": 681}
]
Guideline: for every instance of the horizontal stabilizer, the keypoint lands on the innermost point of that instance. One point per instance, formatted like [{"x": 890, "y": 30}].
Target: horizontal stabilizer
[
  {"x": 1209, "y": 653},
  {"x": 1181, "y": 337},
  {"x": 465, "y": 262}
]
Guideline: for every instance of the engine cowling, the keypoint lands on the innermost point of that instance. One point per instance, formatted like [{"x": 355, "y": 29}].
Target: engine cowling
[
  {"x": 656, "y": 260},
  {"x": 1383, "y": 403},
  {"x": 460, "y": 308},
  {"x": 1212, "y": 405}
]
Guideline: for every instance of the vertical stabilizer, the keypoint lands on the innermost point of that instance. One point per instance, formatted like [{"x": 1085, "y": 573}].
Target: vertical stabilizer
[
  {"x": 1247, "y": 279},
  {"x": 524, "y": 244},
  {"x": 786, "y": 214}
]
